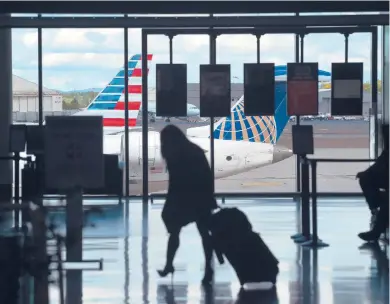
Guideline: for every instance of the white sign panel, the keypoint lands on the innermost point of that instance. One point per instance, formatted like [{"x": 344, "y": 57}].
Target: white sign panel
[
  {"x": 74, "y": 152},
  {"x": 347, "y": 88}
]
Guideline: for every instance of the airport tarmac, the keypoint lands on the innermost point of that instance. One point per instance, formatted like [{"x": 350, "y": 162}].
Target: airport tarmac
[
  {"x": 327, "y": 134},
  {"x": 332, "y": 139},
  {"x": 281, "y": 177}
]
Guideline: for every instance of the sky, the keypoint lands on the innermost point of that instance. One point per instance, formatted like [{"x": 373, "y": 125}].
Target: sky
[{"x": 75, "y": 59}]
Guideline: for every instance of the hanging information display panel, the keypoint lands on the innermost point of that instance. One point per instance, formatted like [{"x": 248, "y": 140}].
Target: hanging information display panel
[
  {"x": 171, "y": 90},
  {"x": 259, "y": 89},
  {"x": 215, "y": 91},
  {"x": 347, "y": 89},
  {"x": 302, "y": 138},
  {"x": 302, "y": 88}
]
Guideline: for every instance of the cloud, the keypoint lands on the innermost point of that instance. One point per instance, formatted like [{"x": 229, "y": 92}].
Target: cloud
[
  {"x": 81, "y": 60},
  {"x": 58, "y": 81},
  {"x": 84, "y": 58},
  {"x": 30, "y": 39}
]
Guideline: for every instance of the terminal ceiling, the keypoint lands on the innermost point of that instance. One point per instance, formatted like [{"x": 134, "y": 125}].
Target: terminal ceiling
[{"x": 189, "y": 7}]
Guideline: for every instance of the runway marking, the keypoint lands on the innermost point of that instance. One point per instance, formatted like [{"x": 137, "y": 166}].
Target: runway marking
[
  {"x": 324, "y": 129},
  {"x": 262, "y": 184}
]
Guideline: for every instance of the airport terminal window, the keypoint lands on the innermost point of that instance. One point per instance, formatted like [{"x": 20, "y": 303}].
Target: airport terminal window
[
  {"x": 273, "y": 171},
  {"x": 385, "y": 77}
]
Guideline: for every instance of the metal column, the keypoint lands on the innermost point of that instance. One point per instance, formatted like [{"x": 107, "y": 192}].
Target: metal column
[
  {"x": 5, "y": 111},
  {"x": 213, "y": 60},
  {"x": 127, "y": 152},
  {"x": 39, "y": 232},
  {"x": 170, "y": 49},
  {"x": 385, "y": 73},
  {"x": 374, "y": 84},
  {"x": 297, "y": 122},
  {"x": 346, "y": 47},
  {"x": 40, "y": 77},
  {"x": 74, "y": 245},
  {"x": 145, "y": 144},
  {"x": 145, "y": 175},
  {"x": 39, "y": 158},
  {"x": 258, "y": 36}
]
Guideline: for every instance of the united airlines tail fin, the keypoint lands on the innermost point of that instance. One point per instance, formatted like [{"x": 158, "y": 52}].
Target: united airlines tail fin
[
  {"x": 265, "y": 129},
  {"x": 111, "y": 100}
]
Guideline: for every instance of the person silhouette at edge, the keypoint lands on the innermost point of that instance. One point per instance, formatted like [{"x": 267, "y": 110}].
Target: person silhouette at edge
[
  {"x": 190, "y": 196},
  {"x": 372, "y": 180}
]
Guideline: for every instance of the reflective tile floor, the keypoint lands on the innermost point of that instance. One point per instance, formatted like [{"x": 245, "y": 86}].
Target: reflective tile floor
[{"x": 132, "y": 241}]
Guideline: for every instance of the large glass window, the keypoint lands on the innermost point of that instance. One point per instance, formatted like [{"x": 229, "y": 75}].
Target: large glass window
[
  {"x": 192, "y": 50},
  {"x": 385, "y": 72},
  {"x": 24, "y": 75},
  {"x": 83, "y": 74},
  {"x": 383, "y": 88},
  {"x": 339, "y": 137},
  {"x": 253, "y": 154}
]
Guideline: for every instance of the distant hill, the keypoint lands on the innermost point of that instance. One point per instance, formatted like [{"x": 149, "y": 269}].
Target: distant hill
[{"x": 95, "y": 90}]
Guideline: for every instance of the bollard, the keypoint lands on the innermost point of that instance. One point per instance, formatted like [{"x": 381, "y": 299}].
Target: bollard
[
  {"x": 305, "y": 201},
  {"x": 298, "y": 200},
  {"x": 74, "y": 244},
  {"x": 10, "y": 265},
  {"x": 41, "y": 262},
  {"x": 315, "y": 241},
  {"x": 306, "y": 277}
]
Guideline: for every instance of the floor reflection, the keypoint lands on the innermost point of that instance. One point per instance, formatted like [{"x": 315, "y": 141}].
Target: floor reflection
[
  {"x": 133, "y": 248},
  {"x": 216, "y": 294}
]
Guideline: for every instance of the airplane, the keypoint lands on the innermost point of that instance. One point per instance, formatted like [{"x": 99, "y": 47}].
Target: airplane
[
  {"x": 192, "y": 111},
  {"x": 111, "y": 100},
  {"x": 241, "y": 143}
]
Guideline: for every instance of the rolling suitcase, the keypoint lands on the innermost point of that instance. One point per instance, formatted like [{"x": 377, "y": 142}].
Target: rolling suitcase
[
  {"x": 245, "y": 250},
  {"x": 222, "y": 221}
]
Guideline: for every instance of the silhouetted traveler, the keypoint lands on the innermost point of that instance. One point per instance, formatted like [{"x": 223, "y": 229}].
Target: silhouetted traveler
[
  {"x": 380, "y": 224},
  {"x": 375, "y": 186},
  {"x": 190, "y": 196}
]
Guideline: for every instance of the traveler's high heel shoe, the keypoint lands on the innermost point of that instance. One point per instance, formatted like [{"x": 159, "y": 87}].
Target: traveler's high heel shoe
[{"x": 167, "y": 270}]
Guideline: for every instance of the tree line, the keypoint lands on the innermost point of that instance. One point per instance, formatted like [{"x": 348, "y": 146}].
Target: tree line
[
  {"x": 366, "y": 86},
  {"x": 77, "y": 100}
]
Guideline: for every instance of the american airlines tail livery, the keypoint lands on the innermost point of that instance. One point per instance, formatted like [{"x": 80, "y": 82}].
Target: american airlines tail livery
[{"x": 110, "y": 102}]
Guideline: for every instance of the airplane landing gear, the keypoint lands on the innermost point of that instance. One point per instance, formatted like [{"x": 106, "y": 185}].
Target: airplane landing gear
[{"x": 152, "y": 118}]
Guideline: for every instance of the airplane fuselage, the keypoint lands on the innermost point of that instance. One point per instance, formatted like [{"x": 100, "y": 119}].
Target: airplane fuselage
[{"x": 230, "y": 158}]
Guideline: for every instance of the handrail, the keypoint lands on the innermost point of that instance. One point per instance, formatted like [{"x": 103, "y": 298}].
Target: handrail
[
  {"x": 312, "y": 240},
  {"x": 341, "y": 160},
  {"x": 260, "y": 194}
]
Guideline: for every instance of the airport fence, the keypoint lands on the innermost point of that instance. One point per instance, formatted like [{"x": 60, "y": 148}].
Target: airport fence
[{"x": 34, "y": 116}]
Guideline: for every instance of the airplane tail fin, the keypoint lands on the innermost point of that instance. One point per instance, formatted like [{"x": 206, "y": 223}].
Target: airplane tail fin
[
  {"x": 111, "y": 99},
  {"x": 265, "y": 129}
]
